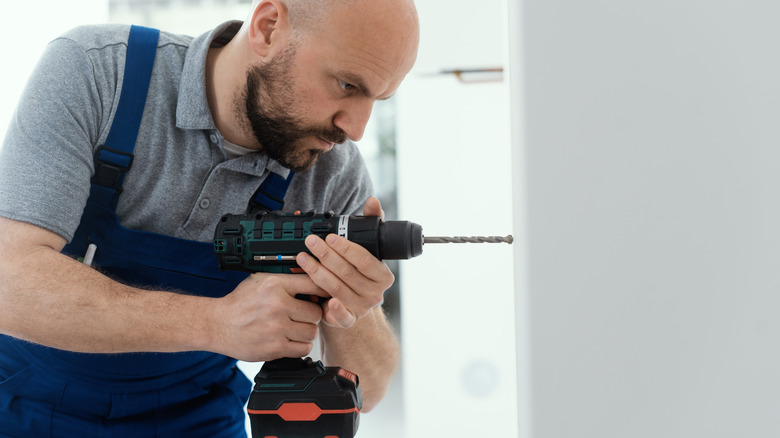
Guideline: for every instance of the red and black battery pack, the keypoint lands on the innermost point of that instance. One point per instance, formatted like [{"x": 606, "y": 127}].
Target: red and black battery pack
[{"x": 300, "y": 398}]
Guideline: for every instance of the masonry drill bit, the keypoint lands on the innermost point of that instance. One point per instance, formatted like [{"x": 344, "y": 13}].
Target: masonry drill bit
[{"x": 468, "y": 239}]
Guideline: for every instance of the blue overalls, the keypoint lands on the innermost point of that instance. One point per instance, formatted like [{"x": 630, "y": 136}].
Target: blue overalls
[{"x": 45, "y": 392}]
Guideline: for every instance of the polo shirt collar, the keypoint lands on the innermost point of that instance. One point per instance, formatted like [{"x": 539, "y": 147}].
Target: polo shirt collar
[{"x": 255, "y": 164}]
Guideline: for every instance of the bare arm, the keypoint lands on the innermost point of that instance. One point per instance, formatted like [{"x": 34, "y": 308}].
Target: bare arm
[
  {"x": 51, "y": 299},
  {"x": 369, "y": 349}
]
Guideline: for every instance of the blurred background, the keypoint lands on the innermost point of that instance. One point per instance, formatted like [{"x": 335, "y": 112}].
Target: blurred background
[{"x": 631, "y": 147}]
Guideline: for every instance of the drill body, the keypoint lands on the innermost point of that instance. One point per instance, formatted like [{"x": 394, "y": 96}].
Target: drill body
[{"x": 269, "y": 241}]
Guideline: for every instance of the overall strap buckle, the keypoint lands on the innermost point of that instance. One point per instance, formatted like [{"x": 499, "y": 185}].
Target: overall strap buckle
[
  {"x": 270, "y": 195},
  {"x": 110, "y": 166}
]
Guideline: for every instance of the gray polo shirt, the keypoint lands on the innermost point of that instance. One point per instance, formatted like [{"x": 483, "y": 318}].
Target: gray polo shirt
[{"x": 180, "y": 183}]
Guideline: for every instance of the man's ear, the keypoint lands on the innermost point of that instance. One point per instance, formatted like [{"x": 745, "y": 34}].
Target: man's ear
[{"x": 269, "y": 28}]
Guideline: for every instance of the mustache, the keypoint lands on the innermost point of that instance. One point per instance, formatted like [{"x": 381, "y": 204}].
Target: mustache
[{"x": 333, "y": 135}]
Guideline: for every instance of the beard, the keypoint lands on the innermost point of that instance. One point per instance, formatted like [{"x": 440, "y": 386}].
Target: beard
[{"x": 268, "y": 102}]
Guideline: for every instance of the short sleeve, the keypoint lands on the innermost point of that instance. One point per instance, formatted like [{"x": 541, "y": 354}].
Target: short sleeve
[{"x": 46, "y": 159}]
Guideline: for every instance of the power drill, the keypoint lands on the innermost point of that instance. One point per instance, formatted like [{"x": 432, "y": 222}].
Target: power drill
[
  {"x": 270, "y": 241},
  {"x": 294, "y": 397}
]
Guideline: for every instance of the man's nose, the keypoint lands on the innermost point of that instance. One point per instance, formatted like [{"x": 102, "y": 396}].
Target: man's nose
[{"x": 352, "y": 118}]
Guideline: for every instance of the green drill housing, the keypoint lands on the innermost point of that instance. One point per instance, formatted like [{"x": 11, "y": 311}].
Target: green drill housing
[{"x": 270, "y": 241}]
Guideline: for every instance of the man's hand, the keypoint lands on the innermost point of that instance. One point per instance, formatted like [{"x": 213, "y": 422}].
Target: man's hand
[
  {"x": 352, "y": 276},
  {"x": 262, "y": 320}
]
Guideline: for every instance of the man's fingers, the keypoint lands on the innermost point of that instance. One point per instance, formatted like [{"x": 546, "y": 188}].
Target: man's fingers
[
  {"x": 305, "y": 311},
  {"x": 337, "y": 315},
  {"x": 301, "y": 332},
  {"x": 293, "y": 284},
  {"x": 292, "y": 348},
  {"x": 352, "y": 276},
  {"x": 322, "y": 271},
  {"x": 373, "y": 208},
  {"x": 359, "y": 261},
  {"x": 349, "y": 263}
]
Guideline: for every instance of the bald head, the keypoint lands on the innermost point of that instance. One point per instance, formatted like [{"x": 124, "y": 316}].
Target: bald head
[
  {"x": 307, "y": 15},
  {"x": 381, "y": 32}
]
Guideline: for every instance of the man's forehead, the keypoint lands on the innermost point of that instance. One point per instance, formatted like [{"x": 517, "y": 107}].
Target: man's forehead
[
  {"x": 380, "y": 24},
  {"x": 375, "y": 46}
]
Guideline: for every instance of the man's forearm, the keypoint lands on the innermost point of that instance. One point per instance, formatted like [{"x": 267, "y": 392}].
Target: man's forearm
[
  {"x": 370, "y": 349},
  {"x": 53, "y": 300}
]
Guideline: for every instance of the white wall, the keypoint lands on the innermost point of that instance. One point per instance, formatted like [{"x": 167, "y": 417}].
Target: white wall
[
  {"x": 646, "y": 133},
  {"x": 454, "y": 178},
  {"x": 27, "y": 27}
]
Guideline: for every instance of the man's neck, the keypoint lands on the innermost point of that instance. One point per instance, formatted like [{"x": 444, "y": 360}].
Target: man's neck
[{"x": 225, "y": 79}]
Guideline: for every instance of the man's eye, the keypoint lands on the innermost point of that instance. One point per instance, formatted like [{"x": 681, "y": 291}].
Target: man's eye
[{"x": 346, "y": 86}]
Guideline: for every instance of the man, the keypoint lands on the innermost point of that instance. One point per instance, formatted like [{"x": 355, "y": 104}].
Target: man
[{"x": 146, "y": 344}]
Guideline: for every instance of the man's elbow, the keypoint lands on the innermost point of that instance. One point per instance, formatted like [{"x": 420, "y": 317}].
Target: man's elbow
[
  {"x": 372, "y": 398},
  {"x": 374, "y": 391}
]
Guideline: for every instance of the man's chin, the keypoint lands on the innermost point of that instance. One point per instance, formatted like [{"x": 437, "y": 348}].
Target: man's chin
[{"x": 303, "y": 162}]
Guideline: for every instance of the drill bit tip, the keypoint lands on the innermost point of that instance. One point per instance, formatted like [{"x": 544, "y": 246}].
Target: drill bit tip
[{"x": 468, "y": 239}]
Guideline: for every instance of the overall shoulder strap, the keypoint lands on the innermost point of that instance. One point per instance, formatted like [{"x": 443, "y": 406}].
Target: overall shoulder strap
[
  {"x": 270, "y": 195},
  {"x": 115, "y": 157}
]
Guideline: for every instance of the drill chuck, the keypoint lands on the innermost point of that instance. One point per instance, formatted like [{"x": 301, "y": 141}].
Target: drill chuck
[{"x": 400, "y": 240}]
